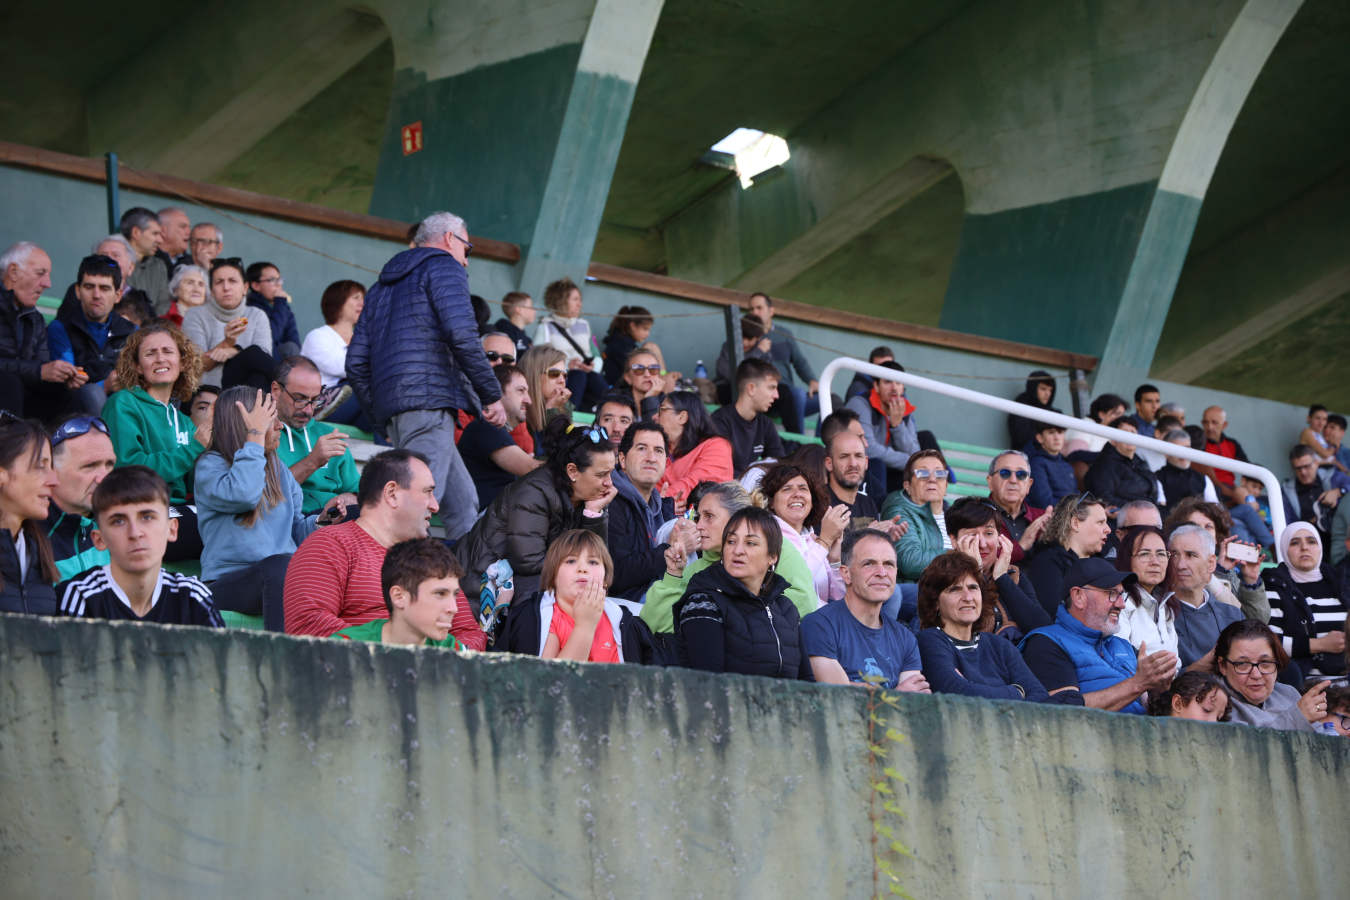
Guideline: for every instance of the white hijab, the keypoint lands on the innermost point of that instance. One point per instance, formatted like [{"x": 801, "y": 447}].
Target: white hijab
[{"x": 1286, "y": 538}]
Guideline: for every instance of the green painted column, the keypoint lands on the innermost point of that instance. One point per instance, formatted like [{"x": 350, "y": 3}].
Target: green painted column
[
  {"x": 1161, "y": 252},
  {"x": 588, "y": 143}
]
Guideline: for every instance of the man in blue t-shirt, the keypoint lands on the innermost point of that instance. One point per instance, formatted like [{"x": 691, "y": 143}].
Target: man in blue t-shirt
[{"x": 849, "y": 641}]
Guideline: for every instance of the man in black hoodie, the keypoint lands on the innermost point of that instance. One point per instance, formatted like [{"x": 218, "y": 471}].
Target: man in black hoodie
[
  {"x": 1119, "y": 474},
  {"x": 1040, "y": 392}
]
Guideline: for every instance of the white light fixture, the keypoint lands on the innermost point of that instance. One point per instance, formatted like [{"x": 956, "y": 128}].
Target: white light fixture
[{"x": 748, "y": 152}]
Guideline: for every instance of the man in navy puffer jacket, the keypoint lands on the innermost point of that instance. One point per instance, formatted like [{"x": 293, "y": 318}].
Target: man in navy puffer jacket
[{"x": 416, "y": 335}]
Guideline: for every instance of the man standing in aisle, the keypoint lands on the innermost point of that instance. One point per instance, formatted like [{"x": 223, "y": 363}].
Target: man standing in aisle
[{"x": 419, "y": 322}]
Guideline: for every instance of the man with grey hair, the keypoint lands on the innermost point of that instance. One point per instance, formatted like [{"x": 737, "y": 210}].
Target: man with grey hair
[
  {"x": 415, "y": 356},
  {"x": 1200, "y": 616},
  {"x": 1136, "y": 512},
  {"x": 30, "y": 380},
  {"x": 1173, "y": 409},
  {"x": 143, "y": 232},
  {"x": 1009, "y": 483},
  {"x": 205, "y": 243},
  {"x": 173, "y": 243}
]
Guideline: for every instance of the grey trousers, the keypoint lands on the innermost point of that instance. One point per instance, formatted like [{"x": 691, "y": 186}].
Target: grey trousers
[{"x": 431, "y": 432}]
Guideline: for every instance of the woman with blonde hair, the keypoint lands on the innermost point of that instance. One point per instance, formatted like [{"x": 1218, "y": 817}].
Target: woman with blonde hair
[
  {"x": 545, "y": 371},
  {"x": 1077, "y": 529},
  {"x": 158, "y": 369}
]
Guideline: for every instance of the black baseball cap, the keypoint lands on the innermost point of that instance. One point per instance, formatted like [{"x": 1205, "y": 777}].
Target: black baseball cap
[{"x": 1098, "y": 573}]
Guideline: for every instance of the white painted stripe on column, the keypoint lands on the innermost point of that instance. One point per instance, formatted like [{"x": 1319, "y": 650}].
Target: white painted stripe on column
[
  {"x": 1223, "y": 90},
  {"x": 618, "y": 37}
]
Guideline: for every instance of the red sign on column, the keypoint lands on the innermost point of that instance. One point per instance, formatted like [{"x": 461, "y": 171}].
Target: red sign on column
[{"x": 412, "y": 138}]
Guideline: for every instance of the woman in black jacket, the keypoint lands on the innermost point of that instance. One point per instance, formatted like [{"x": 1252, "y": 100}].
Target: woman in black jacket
[
  {"x": 1307, "y": 606},
  {"x": 1077, "y": 529},
  {"x": 735, "y": 615},
  {"x": 27, "y": 480},
  {"x": 972, "y": 523},
  {"x": 572, "y": 489}
]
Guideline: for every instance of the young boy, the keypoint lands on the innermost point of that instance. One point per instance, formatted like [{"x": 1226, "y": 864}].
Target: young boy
[
  {"x": 420, "y": 579},
  {"x": 132, "y": 523},
  {"x": 1052, "y": 477},
  {"x": 745, "y": 423},
  {"x": 518, "y": 313}
]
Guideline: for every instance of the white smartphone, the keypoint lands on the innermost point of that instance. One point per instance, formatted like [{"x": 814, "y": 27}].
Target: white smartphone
[{"x": 1243, "y": 552}]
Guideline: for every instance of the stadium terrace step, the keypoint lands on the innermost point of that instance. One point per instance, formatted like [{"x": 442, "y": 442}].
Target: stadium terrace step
[{"x": 241, "y": 620}]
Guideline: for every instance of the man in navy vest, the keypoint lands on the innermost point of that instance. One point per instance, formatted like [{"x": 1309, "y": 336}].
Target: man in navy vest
[{"x": 1080, "y": 657}]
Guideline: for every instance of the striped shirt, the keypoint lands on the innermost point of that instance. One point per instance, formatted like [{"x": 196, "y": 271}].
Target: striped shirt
[
  {"x": 177, "y": 600},
  {"x": 1286, "y": 616}
]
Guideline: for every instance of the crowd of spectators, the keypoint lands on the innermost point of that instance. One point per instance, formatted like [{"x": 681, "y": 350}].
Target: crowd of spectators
[{"x": 184, "y": 421}]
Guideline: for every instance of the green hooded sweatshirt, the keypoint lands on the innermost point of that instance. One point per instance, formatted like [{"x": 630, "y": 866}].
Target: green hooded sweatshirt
[{"x": 146, "y": 432}]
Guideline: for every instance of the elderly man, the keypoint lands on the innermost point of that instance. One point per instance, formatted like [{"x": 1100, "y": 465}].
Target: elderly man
[
  {"x": 205, "y": 243},
  {"x": 852, "y": 642},
  {"x": 333, "y": 580},
  {"x": 1080, "y": 660},
  {"x": 82, "y": 455},
  {"x": 1309, "y": 495},
  {"x": 1009, "y": 481},
  {"x": 315, "y": 452},
  {"x": 416, "y": 337},
  {"x": 31, "y": 382},
  {"x": 176, "y": 231},
  {"x": 143, "y": 232},
  {"x": 499, "y": 349},
  {"x": 1213, "y": 422},
  {"x": 1200, "y": 616}
]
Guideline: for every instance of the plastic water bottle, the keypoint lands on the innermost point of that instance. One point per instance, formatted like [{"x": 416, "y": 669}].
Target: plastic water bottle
[{"x": 700, "y": 370}]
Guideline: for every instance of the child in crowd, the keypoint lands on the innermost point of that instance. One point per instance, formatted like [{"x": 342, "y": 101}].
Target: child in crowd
[
  {"x": 1256, "y": 498},
  {"x": 1198, "y": 696},
  {"x": 1337, "y": 720},
  {"x": 133, "y": 524},
  {"x": 1052, "y": 476},
  {"x": 1312, "y": 436},
  {"x": 517, "y": 313},
  {"x": 630, "y": 329},
  {"x": 420, "y": 579},
  {"x": 1339, "y": 467}
]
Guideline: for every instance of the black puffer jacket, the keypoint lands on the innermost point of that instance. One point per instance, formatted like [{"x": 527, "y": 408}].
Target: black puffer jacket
[
  {"x": 518, "y": 527},
  {"x": 23, "y": 340},
  {"x": 722, "y": 627},
  {"x": 1178, "y": 484},
  {"x": 34, "y": 595},
  {"x": 97, "y": 362},
  {"x": 1117, "y": 480},
  {"x": 419, "y": 332},
  {"x": 1022, "y": 432}
]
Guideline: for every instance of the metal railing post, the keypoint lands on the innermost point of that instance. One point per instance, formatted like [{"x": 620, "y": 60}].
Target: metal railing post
[{"x": 114, "y": 201}]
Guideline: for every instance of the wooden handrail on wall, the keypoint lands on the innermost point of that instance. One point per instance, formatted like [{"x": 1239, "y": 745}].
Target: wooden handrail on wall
[
  {"x": 87, "y": 169},
  {"x": 91, "y": 169},
  {"x": 833, "y": 318}
]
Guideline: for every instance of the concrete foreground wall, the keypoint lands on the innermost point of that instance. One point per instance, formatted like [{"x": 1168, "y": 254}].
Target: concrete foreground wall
[{"x": 159, "y": 762}]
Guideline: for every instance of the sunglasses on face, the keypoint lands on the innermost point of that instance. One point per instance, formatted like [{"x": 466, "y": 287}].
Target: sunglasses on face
[
  {"x": 555, "y": 373},
  {"x": 638, "y": 369},
  {"x": 494, "y": 356},
  {"x": 1019, "y": 474},
  {"x": 77, "y": 427},
  {"x": 925, "y": 474}
]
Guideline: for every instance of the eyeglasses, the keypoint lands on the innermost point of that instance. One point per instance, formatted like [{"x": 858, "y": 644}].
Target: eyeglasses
[
  {"x": 1115, "y": 596},
  {"x": 925, "y": 474},
  {"x": 555, "y": 373},
  {"x": 1019, "y": 474},
  {"x": 1153, "y": 554},
  {"x": 277, "y": 280},
  {"x": 638, "y": 369},
  {"x": 77, "y": 427},
  {"x": 494, "y": 356},
  {"x": 1244, "y": 666},
  {"x": 468, "y": 248},
  {"x": 206, "y": 242},
  {"x": 301, "y": 401}
]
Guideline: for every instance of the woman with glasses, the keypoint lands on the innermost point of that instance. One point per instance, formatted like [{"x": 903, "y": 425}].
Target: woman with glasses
[
  {"x": 697, "y": 452},
  {"x": 641, "y": 377},
  {"x": 921, "y": 506},
  {"x": 250, "y": 507},
  {"x": 961, "y": 654},
  {"x": 236, "y": 347},
  {"x": 735, "y": 615},
  {"x": 158, "y": 369},
  {"x": 1146, "y": 620},
  {"x": 972, "y": 523},
  {"x": 545, "y": 370},
  {"x": 27, "y": 480},
  {"x": 1248, "y": 657},
  {"x": 1077, "y": 529},
  {"x": 572, "y": 489},
  {"x": 1307, "y": 605}
]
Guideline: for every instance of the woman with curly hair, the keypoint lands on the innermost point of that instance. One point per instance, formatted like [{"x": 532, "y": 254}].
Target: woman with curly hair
[
  {"x": 158, "y": 368},
  {"x": 961, "y": 654},
  {"x": 1077, "y": 529}
]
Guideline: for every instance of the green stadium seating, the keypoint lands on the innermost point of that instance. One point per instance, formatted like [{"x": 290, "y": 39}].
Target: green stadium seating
[{"x": 240, "y": 620}]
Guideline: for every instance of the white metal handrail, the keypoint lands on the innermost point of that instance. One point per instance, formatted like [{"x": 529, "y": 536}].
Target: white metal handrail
[{"x": 1262, "y": 474}]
